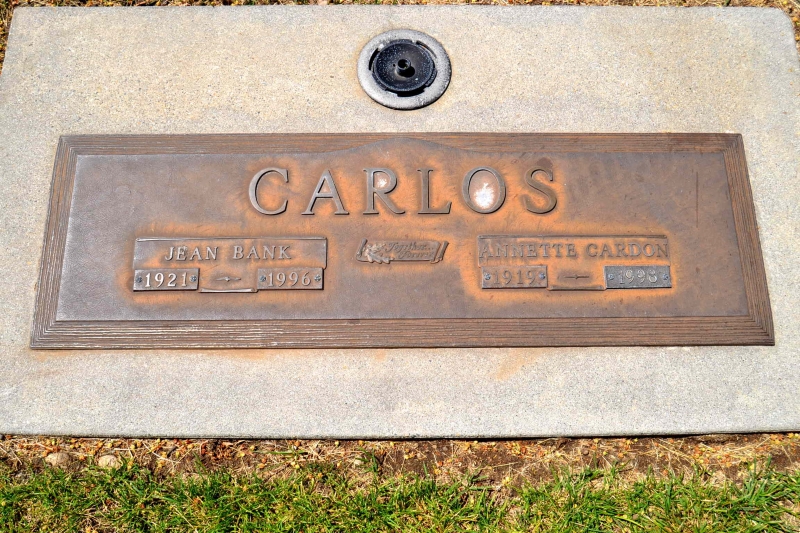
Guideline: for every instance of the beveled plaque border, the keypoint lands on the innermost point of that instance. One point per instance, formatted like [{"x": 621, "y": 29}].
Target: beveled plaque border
[{"x": 755, "y": 328}]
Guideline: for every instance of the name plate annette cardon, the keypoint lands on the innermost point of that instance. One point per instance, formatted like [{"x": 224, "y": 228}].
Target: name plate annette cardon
[
  {"x": 400, "y": 240},
  {"x": 574, "y": 262}
]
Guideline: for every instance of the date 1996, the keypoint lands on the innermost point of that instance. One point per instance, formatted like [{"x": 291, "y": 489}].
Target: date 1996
[
  {"x": 166, "y": 279},
  {"x": 514, "y": 277},
  {"x": 289, "y": 278}
]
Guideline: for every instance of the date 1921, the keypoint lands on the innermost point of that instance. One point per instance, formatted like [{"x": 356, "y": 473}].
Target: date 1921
[{"x": 166, "y": 279}]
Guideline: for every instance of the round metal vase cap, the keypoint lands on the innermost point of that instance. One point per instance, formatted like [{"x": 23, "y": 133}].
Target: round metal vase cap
[{"x": 404, "y": 69}]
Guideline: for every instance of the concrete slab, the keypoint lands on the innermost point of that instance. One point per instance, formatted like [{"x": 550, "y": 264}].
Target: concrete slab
[{"x": 292, "y": 69}]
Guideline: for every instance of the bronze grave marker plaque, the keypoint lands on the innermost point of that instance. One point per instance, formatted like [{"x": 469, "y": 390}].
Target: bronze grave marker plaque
[{"x": 392, "y": 240}]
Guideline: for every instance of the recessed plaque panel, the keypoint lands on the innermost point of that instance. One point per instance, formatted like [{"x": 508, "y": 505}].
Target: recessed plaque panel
[
  {"x": 392, "y": 240},
  {"x": 231, "y": 264}
]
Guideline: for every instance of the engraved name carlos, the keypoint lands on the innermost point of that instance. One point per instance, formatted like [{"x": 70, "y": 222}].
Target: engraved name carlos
[{"x": 483, "y": 190}]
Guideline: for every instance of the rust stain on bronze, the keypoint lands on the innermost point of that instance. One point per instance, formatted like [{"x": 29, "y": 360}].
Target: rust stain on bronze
[{"x": 380, "y": 240}]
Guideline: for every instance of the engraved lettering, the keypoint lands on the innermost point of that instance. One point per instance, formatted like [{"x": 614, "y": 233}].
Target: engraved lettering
[
  {"x": 381, "y": 188},
  {"x": 516, "y": 250},
  {"x": 637, "y": 276},
  {"x": 661, "y": 250},
  {"x": 487, "y": 200},
  {"x": 288, "y": 278},
  {"x": 238, "y": 252},
  {"x": 558, "y": 249},
  {"x": 545, "y": 246},
  {"x": 531, "y": 178},
  {"x": 502, "y": 252},
  {"x": 606, "y": 251},
  {"x": 648, "y": 250},
  {"x": 571, "y": 251},
  {"x": 253, "y": 253},
  {"x": 332, "y": 194},
  {"x": 179, "y": 254},
  {"x": 282, "y": 252},
  {"x": 591, "y": 250},
  {"x": 165, "y": 279},
  {"x": 634, "y": 250},
  {"x": 485, "y": 251},
  {"x": 269, "y": 251},
  {"x": 531, "y": 250},
  {"x": 621, "y": 250},
  {"x": 425, "y": 195},
  {"x": 254, "y": 190}
]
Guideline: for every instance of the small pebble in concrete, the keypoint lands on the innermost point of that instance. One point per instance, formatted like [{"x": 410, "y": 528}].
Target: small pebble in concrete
[
  {"x": 108, "y": 461},
  {"x": 57, "y": 459}
]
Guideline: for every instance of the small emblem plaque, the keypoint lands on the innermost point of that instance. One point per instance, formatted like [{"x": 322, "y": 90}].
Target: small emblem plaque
[
  {"x": 388, "y": 251},
  {"x": 398, "y": 240}
]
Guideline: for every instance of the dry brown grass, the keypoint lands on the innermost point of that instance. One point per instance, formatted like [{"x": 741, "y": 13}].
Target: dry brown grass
[{"x": 509, "y": 462}]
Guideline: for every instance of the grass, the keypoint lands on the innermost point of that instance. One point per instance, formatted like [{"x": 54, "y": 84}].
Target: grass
[
  {"x": 319, "y": 498},
  {"x": 713, "y": 483}
]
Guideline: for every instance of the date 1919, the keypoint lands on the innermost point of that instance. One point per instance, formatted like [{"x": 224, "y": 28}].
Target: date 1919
[{"x": 514, "y": 277}]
